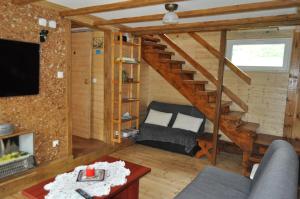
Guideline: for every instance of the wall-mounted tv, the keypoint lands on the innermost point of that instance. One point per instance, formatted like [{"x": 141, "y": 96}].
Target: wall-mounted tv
[{"x": 19, "y": 68}]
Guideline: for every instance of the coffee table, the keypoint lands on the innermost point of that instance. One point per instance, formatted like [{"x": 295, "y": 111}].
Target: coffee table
[{"x": 130, "y": 190}]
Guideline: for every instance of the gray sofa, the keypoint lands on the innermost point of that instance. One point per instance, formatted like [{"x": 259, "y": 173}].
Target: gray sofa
[
  {"x": 275, "y": 178},
  {"x": 168, "y": 138}
]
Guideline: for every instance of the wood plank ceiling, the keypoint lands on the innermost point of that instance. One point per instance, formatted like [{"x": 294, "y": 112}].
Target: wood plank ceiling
[{"x": 145, "y": 16}]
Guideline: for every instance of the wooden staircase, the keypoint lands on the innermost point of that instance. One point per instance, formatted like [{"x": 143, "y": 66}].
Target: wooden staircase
[{"x": 231, "y": 124}]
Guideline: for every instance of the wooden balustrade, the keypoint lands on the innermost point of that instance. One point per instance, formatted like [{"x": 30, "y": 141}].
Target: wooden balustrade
[
  {"x": 205, "y": 72},
  {"x": 218, "y": 55}
]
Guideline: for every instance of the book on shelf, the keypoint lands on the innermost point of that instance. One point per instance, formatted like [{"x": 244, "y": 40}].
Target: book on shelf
[
  {"x": 129, "y": 132},
  {"x": 127, "y": 60}
]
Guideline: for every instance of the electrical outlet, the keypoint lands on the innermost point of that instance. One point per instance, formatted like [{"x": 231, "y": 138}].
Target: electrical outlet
[
  {"x": 52, "y": 24},
  {"x": 42, "y": 22},
  {"x": 60, "y": 74},
  {"x": 55, "y": 143}
]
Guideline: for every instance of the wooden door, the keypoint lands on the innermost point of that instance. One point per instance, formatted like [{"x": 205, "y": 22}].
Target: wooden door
[{"x": 81, "y": 83}]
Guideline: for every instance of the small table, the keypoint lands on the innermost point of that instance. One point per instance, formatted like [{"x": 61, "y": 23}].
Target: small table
[
  {"x": 205, "y": 142},
  {"x": 130, "y": 190}
]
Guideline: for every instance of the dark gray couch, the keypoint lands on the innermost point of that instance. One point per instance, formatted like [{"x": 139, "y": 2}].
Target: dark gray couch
[
  {"x": 168, "y": 138},
  {"x": 275, "y": 178}
]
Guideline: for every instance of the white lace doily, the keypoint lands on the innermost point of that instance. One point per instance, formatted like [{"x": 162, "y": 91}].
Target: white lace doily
[{"x": 64, "y": 185}]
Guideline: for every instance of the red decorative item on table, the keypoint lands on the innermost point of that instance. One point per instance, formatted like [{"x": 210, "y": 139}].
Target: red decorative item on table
[{"x": 90, "y": 171}]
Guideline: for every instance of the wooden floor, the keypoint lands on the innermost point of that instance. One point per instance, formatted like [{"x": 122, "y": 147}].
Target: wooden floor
[
  {"x": 170, "y": 173},
  {"x": 82, "y": 146}
]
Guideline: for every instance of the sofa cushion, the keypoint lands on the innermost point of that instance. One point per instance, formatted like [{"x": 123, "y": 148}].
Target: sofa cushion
[
  {"x": 158, "y": 118},
  {"x": 175, "y": 109},
  {"x": 187, "y": 122},
  {"x": 277, "y": 174},
  {"x": 214, "y": 183}
]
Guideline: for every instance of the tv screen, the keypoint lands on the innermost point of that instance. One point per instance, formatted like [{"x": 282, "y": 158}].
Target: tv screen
[{"x": 19, "y": 68}]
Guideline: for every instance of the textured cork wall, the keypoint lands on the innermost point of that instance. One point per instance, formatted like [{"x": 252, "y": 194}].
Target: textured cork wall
[{"x": 46, "y": 113}]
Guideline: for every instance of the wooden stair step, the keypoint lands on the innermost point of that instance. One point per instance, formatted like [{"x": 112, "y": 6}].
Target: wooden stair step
[
  {"x": 248, "y": 126},
  {"x": 171, "y": 61},
  {"x": 184, "y": 71},
  {"x": 150, "y": 38},
  {"x": 233, "y": 115},
  {"x": 195, "y": 82},
  {"x": 207, "y": 93},
  {"x": 153, "y": 44},
  {"x": 223, "y": 104},
  {"x": 255, "y": 158},
  {"x": 159, "y": 51}
]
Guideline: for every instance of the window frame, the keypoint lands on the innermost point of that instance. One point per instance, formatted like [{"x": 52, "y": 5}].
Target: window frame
[{"x": 286, "y": 59}]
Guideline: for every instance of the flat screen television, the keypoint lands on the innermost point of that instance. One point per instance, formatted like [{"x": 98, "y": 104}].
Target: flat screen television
[{"x": 19, "y": 68}]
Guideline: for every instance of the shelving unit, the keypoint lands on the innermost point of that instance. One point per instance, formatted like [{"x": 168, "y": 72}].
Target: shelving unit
[{"x": 126, "y": 94}]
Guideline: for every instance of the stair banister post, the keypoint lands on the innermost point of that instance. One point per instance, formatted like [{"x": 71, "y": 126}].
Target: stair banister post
[{"x": 219, "y": 94}]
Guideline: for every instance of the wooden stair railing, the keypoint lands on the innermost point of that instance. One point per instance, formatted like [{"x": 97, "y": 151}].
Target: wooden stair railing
[
  {"x": 217, "y": 54},
  {"x": 205, "y": 72},
  {"x": 230, "y": 122}
]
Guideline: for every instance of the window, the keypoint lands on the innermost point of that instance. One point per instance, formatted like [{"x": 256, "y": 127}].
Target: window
[{"x": 260, "y": 54}]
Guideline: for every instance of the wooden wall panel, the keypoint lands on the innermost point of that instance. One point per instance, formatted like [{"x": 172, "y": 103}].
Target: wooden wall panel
[
  {"x": 46, "y": 113},
  {"x": 81, "y": 84},
  {"x": 98, "y": 89},
  {"x": 266, "y": 96}
]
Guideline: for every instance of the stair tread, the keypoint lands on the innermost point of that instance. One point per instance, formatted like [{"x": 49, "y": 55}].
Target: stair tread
[
  {"x": 233, "y": 115},
  {"x": 184, "y": 71},
  {"x": 172, "y": 61},
  {"x": 255, "y": 158},
  {"x": 150, "y": 38},
  {"x": 196, "y": 82},
  {"x": 248, "y": 126},
  {"x": 159, "y": 51},
  {"x": 223, "y": 103},
  {"x": 207, "y": 92},
  {"x": 150, "y": 43}
]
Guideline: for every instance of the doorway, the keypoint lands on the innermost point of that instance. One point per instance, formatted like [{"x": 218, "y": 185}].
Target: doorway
[{"x": 87, "y": 92}]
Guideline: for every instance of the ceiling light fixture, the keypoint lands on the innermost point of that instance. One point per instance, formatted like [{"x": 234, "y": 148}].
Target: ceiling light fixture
[{"x": 171, "y": 17}]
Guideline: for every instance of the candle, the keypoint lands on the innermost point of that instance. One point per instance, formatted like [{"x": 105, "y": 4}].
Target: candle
[{"x": 90, "y": 171}]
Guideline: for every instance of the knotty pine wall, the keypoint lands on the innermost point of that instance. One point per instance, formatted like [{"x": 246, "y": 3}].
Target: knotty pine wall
[
  {"x": 98, "y": 91},
  {"x": 46, "y": 113},
  {"x": 266, "y": 96}
]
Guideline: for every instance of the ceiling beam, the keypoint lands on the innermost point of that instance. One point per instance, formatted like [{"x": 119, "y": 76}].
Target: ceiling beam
[
  {"x": 23, "y": 2},
  {"x": 209, "y": 12},
  {"x": 233, "y": 24},
  {"x": 114, "y": 6}
]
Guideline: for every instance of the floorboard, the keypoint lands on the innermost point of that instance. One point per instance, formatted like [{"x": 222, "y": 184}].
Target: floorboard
[
  {"x": 82, "y": 146},
  {"x": 170, "y": 173}
]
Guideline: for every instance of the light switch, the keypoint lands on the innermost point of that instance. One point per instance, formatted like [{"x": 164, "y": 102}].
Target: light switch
[
  {"x": 42, "y": 22},
  {"x": 52, "y": 24},
  {"x": 94, "y": 80},
  {"x": 60, "y": 74}
]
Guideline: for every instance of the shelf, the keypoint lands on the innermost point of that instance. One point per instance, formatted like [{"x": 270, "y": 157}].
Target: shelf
[
  {"x": 126, "y": 100},
  {"x": 125, "y": 62},
  {"x": 15, "y": 134},
  {"x": 126, "y": 43},
  {"x": 134, "y": 82},
  {"x": 126, "y": 120},
  {"x": 127, "y": 83}
]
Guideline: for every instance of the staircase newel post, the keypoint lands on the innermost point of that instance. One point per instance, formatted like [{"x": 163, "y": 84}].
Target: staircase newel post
[{"x": 219, "y": 94}]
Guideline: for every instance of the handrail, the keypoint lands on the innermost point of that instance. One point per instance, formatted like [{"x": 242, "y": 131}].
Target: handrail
[
  {"x": 204, "y": 71},
  {"x": 217, "y": 54}
]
